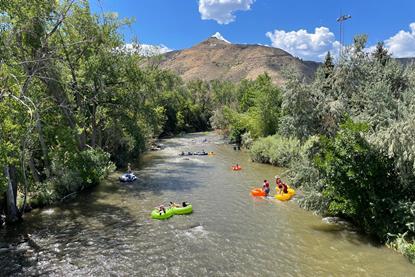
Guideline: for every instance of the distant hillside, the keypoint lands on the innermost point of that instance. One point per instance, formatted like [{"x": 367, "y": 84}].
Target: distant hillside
[
  {"x": 216, "y": 58},
  {"x": 406, "y": 61}
]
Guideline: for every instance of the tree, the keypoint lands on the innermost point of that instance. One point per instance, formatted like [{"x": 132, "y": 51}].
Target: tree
[
  {"x": 381, "y": 54},
  {"x": 328, "y": 65}
]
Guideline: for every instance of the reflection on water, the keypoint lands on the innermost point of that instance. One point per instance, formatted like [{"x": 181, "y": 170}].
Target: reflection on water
[{"x": 109, "y": 232}]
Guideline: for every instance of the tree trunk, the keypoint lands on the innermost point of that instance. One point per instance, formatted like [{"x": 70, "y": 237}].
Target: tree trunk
[
  {"x": 45, "y": 153},
  {"x": 33, "y": 170},
  {"x": 12, "y": 213},
  {"x": 52, "y": 81},
  {"x": 94, "y": 125}
]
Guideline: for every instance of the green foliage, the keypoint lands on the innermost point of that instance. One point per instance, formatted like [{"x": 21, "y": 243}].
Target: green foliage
[
  {"x": 75, "y": 171},
  {"x": 276, "y": 150},
  {"x": 72, "y": 97},
  {"x": 403, "y": 245},
  {"x": 258, "y": 111},
  {"x": 299, "y": 118},
  {"x": 361, "y": 183},
  {"x": 43, "y": 194}
]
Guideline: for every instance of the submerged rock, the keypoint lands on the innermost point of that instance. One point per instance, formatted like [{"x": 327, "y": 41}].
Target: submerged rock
[{"x": 339, "y": 222}]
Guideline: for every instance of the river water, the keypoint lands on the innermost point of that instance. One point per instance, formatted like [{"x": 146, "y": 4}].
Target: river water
[{"x": 108, "y": 232}]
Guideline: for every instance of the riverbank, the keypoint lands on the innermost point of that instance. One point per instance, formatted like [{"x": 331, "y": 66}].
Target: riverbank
[{"x": 313, "y": 167}]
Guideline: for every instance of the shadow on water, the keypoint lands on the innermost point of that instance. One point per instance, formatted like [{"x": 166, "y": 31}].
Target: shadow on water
[
  {"x": 166, "y": 175},
  {"x": 86, "y": 225},
  {"x": 350, "y": 233}
]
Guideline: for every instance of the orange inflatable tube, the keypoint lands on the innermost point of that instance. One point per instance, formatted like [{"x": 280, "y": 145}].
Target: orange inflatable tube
[
  {"x": 236, "y": 167},
  {"x": 257, "y": 192}
]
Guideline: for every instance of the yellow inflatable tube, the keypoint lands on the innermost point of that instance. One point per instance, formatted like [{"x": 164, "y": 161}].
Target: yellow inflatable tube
[{"x": 285, "y": 196}]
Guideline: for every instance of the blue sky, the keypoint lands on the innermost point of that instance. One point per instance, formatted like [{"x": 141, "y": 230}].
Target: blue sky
[{"x": 305, "y": 28}]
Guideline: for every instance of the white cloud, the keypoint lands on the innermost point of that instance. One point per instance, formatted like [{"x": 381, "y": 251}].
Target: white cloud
[
  {"x": 222, "y": 10},
  {"x": 147, "y": 50},
  {"x": 308, "y": 46},
  {"x": 403, "y": 43},
  {"x": 153, "y": 50}
]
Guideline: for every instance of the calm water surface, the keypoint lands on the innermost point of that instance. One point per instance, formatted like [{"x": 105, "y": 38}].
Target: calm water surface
[{"x": 109, "y": 232}]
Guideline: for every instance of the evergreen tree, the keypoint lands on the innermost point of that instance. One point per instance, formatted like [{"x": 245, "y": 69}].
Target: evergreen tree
[
  {"x": 328, "y": 65},
  {"x": 381, "y": 54}
]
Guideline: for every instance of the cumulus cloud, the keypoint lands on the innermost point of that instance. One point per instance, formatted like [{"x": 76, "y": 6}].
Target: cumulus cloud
[
  {"x": 222, "y": 10},
  {"x": 403, "y": 43},
  {"x": 147, "y": 50},
  {"x": 153, "y": 50},
  {"x": 308, "y": 46}
]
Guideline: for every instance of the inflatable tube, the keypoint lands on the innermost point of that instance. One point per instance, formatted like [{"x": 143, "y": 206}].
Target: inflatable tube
[
  {"x": 286, "y": 196},
  {"x": 183, "y": 210},
  {"x": 155, "y": 214},
  {"x": 236, "y": 168},
  {"x": 257, "y": 192},
  {"x": 211, "y": 153},
  {"x": 291, "y": 191},
  {"x": 127, "y": 177},
  {"x": 186, "y": 154}
]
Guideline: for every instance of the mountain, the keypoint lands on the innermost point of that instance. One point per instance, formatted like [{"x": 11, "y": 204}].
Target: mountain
[
  {"x": 406, "y": 61},
  {"x": 217, "y": 58}
]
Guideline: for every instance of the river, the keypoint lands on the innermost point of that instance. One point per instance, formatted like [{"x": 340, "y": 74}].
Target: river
[{"x": 108, "y": 232}]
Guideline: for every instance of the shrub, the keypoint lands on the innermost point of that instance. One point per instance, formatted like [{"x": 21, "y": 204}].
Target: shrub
[
  {"x": 401, "y": 244},
  {"x": 276, "y": 150},
  {"x": 247, "y": 140},
  {"x": 74, "y": 171},
  {"x": 362, "y": 184},
  {"x": 44, "y": 194}
]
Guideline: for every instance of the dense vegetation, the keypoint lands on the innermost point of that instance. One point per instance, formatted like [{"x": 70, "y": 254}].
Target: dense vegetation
[
  {"x": 347, "y": 137},
  {"x": 74, "y": 102}
]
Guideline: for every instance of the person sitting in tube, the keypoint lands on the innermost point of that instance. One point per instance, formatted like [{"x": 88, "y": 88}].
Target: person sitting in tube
[
  {"x": 185, "y": 204},
  {"x": 281, "y": 187},
  {"x": 161, "y": 209},
  {"x": 174, "y": 205}
]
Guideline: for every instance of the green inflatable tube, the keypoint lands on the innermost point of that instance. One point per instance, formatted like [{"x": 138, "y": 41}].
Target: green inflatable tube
[
  {"x": 183, "y": 210},
  {"x": 155, "y": 214}
]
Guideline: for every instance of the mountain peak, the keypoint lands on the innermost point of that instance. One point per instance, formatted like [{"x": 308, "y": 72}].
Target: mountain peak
[
  {"x": 217, "y": 59},
  {"x": 217, "y": 35}
]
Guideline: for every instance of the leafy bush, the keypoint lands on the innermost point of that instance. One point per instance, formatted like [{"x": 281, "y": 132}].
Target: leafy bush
[
  {"x": 94, "y": 166},
  {"x": 75, "y": 171},
  {"x": 276, "y": 150},
  {"x": 362, "y": 184},
  {"x": 401, "y": 244},
  {"x": 247, "y": 140},
  {"x": 43, "y": 194}
]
